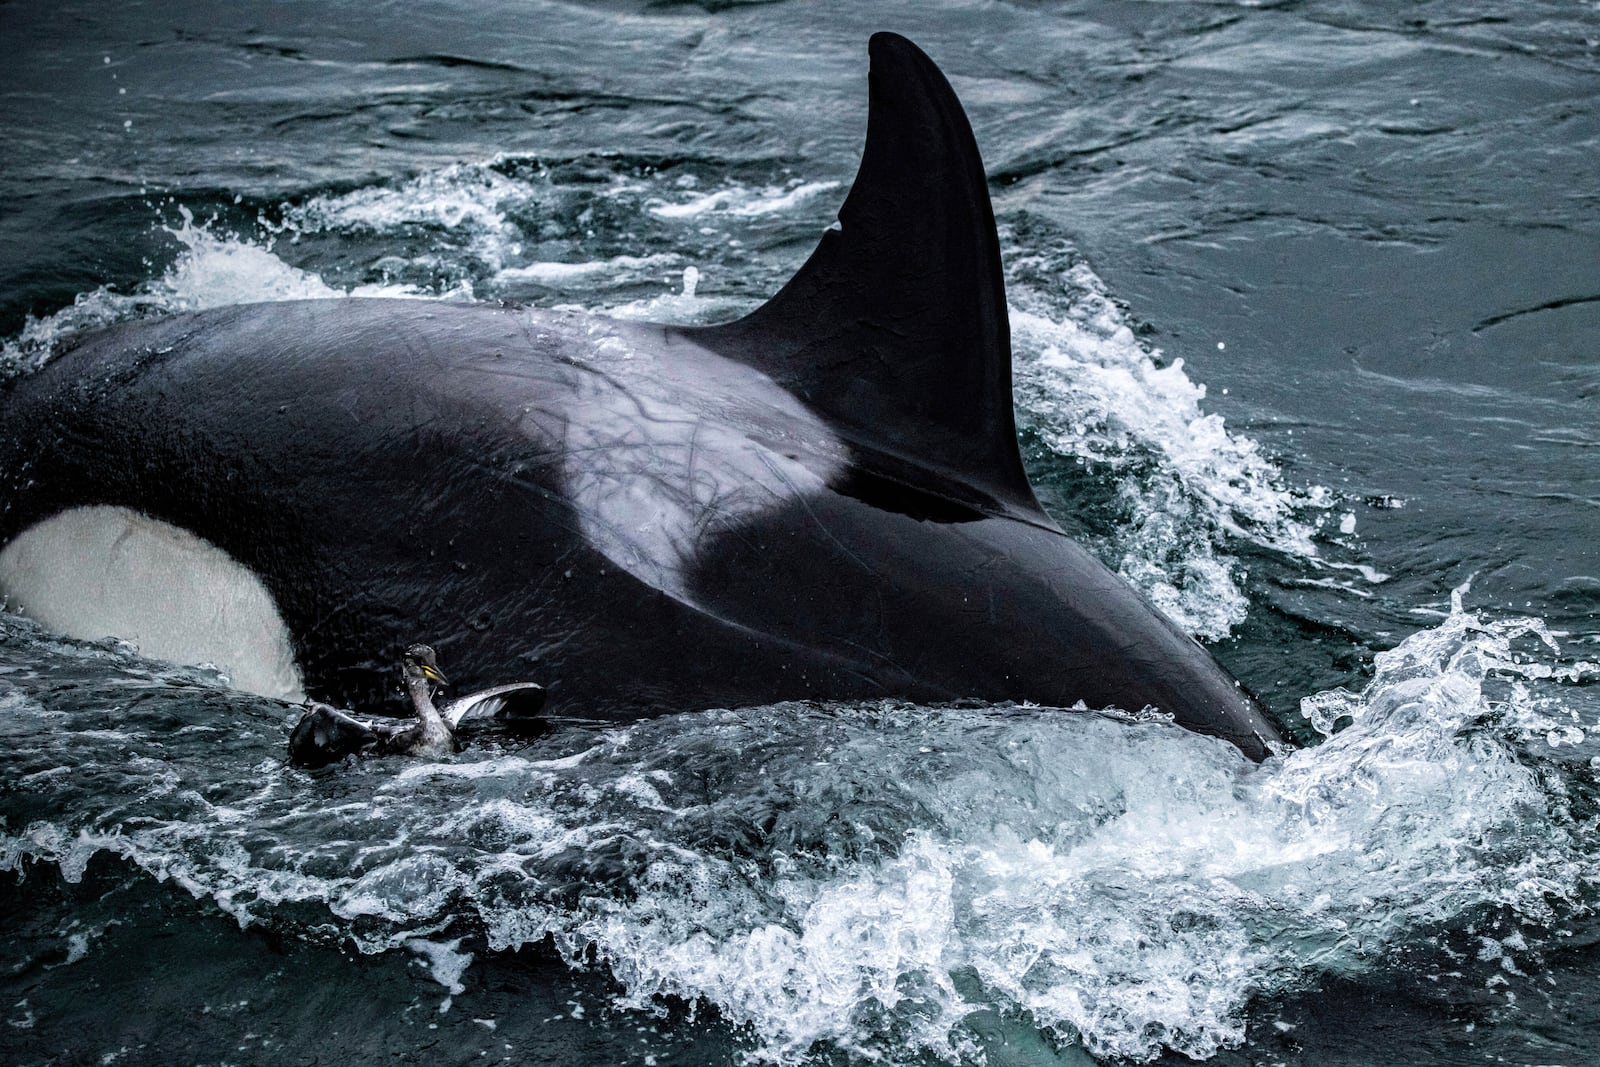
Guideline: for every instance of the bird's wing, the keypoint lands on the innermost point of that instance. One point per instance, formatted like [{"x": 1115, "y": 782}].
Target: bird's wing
[
  {"x": 517, "y": 700},
  {"x": 325, "y": 735}
]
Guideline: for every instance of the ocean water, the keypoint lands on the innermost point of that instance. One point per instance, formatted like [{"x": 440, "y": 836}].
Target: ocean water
[{"x": 1306, "y": 311}]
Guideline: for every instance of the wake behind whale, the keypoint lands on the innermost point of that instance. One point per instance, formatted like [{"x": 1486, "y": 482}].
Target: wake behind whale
[{"x": 823, "y": 499}]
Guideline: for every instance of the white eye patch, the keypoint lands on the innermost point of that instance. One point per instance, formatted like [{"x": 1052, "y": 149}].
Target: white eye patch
[{"x": 103, "y": 571}]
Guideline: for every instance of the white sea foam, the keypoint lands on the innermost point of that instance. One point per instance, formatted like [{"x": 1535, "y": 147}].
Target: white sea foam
[
  {"x": 477, "y": 222},
  {"x": 569, "y": 275},
  {"x": 870, "y": 876},
  {"x": 445, "y": 960},
  {"x": 212, "y": 270},
  {"x": 742, "y": 201},
  {"x": 1186, "y": 484},
  {"x": 680, "y": 308},
  {"x": 463, "y": 212},
  {"x": 471, "y": 196}
]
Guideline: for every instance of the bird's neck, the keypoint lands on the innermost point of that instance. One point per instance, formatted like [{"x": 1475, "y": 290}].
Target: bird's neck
[{"x": 421, "y": 694}]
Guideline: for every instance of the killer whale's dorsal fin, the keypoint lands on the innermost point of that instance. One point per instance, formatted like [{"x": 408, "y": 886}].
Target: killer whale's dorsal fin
[{"x": 896, "y": 327}]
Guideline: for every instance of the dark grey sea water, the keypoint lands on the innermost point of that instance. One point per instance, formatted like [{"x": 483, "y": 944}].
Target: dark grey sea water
[{"x": 1306, "y": 308}]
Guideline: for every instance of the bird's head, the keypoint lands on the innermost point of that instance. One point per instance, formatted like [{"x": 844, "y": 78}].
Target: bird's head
[{"x": 422, "y": 660}]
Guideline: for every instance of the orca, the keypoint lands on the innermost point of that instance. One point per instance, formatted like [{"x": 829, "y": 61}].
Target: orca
[{"x": 822, "y": 500}]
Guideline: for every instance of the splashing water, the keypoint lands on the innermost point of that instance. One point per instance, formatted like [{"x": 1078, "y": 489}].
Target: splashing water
[
  {"x": 868, "y": 877},
  {"x": 1185, "y": 486},
  {"x": 211, "y": 271},
  {"x": 739, "y": 200}
]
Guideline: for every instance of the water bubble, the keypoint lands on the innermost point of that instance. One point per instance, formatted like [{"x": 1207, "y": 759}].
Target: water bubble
[{"x": 1564, "y": 735}]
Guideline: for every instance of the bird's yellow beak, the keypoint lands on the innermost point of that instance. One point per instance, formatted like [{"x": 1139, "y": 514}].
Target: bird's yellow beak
[{"x": 433, "y": 674}]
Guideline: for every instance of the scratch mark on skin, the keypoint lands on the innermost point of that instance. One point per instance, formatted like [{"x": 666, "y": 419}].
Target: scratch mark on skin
[
  {"x": 800, "y": 498},
  {"x": 1549, "y": 305}
]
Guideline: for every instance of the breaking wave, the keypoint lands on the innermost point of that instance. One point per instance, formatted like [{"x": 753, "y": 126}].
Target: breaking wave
[
  {"x": 1184, "y": 488},
  {"x": 881, "y": 878},
  {"x": 211, "y": 270}
]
